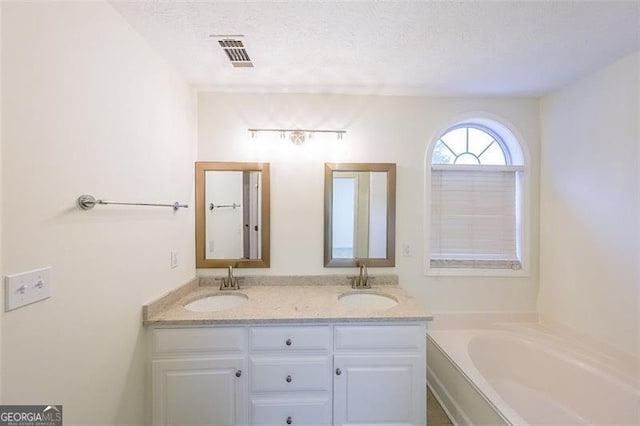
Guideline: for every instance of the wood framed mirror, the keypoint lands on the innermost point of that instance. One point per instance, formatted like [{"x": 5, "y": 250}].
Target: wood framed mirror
[
  {"x": 359, "y": 214},
  {"x": 232, "y": 215}
]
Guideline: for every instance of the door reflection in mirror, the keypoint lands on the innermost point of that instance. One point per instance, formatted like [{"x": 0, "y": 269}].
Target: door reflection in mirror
[
  {"x": 359, "y": 215},
  {"x": 344, "y": 217},
  {"x": 233, "y": 200}
]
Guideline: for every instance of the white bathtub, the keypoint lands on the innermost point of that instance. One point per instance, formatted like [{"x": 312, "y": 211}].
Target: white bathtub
[{"x": 526, "y": 376}]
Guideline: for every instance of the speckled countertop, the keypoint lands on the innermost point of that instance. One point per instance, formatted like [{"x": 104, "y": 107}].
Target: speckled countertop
[{"x": 283, "y": 299}]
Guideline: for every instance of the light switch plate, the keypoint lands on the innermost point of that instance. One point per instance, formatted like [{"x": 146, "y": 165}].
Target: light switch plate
[{"x": 26, "y": 288}]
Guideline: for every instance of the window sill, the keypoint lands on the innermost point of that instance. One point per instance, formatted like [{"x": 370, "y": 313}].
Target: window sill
[{"x": 462, "y": 272}]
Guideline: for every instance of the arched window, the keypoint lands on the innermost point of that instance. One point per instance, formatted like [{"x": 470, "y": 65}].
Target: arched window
[
  {"x": 470, "y": 144},
  {"x": 475, "y": 200}
]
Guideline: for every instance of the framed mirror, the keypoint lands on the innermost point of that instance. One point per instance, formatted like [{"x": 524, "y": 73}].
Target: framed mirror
[
  {"x": 232, "y": 215},
  {"x": 359, "y": 214}
]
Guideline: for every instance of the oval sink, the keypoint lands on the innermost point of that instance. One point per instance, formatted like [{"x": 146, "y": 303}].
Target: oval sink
[
  {"x": 367, "y": 301},
  {"x": 218, "y": 302}
]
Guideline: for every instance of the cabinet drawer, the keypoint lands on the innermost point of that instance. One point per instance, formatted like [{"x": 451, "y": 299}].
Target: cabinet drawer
[
  {"x": 383, "y": 337},
  {"x": 291, "y": 339},
  {"x": 295, "y": 412},
  {"x": 290, "y": 374},
  {"x": 195, "y": 340}
]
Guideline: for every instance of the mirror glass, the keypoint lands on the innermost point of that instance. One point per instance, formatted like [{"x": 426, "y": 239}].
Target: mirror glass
[
  {"x": 232, "y": 215},
  {"x": 360, "y": 214},
  {"x": 232, "y": 221}
]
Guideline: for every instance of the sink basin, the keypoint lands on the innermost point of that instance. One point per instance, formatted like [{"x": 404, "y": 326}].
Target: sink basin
[
  {"x": 367, "y": 301},
  {"x": 219, "y": 302}
]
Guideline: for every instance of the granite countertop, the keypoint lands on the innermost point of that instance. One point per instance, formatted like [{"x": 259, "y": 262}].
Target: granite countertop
[{"x": 283, "y": 299}]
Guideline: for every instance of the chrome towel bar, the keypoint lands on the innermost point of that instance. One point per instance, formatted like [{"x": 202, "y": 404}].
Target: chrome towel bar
[
  {"x": 87, "y": 202},
  {"x": 223, "y": 206}
]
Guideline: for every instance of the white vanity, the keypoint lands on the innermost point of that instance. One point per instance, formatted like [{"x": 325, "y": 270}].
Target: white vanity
[
  {"x": 289, "y": 355},
  {"x": 306, "y": 350}
]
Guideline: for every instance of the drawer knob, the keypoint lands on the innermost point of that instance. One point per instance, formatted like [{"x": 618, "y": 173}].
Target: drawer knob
[
  {"x": 288, "y": 342},
  {"x": 288, "y": 379},
  {"x": 289, "y": 420},
  {"x": 338, "y": 372},
  {"x": 238, "y": 373}
]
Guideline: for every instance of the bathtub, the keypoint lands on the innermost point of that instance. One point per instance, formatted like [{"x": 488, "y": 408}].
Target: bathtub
[{"x": 521, "y": 375}]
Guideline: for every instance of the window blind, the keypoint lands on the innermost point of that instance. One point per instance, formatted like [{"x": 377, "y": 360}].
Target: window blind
[{"x": 473, "y": 217}]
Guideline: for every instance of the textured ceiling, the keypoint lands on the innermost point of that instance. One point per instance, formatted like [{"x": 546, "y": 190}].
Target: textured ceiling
[{"x": 430, "y": 47}]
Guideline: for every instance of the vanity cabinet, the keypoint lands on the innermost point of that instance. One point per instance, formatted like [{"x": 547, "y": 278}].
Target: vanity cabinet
[
  {"x": 379, "y": 375},
  {"x": 198, "y": 376},
  {"x": 293, "y": 374},
  {"x": 205, "y": 391}
]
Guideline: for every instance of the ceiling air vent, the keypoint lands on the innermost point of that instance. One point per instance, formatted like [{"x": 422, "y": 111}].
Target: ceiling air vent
[{"x": 235, "y": 51}]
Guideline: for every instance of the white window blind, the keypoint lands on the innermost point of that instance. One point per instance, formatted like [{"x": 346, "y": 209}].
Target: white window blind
[{"x": 473, "y": 217}]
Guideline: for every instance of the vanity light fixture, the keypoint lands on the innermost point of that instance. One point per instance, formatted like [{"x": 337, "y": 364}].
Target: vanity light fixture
[{"x": 297, "y": 136}]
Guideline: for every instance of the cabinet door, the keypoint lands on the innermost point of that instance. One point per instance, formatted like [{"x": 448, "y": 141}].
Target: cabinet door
[
  {"x": 199, "y": 391},
  {"x": 379, "y": 390}
]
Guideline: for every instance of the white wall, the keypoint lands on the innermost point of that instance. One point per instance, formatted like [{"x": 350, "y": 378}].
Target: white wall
[
  {"x": 1, "y": 270},
  {"x": 88, "y": 107},
  {"x": 589, "y": 206},
  {"x": 379, "y": 129}
]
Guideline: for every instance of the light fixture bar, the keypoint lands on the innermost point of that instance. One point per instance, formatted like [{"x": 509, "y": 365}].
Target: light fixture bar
[{"x": 283, "y": 132}]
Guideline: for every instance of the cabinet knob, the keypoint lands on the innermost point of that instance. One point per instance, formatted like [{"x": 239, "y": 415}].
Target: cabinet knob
[
  {"x": 238, "y": 373},
  {"x": 288, "y": 342},
  {"x": 288, "y": 379},
  {"x": 289, "y": 420},
  {"x": 338, "y": 372}
]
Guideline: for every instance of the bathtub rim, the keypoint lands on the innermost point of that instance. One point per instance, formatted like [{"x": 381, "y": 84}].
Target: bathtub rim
[
  {"x": 548, "y": 344},
  {"x": 456, "y": 352},
  {"x": 511, "y": 419}
]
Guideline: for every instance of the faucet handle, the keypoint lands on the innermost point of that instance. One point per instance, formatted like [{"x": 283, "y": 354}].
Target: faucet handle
[{"x": 355, "y": 280}]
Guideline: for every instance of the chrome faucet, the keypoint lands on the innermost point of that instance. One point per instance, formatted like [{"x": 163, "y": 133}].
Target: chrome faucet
[
  {"x": 362, "y": 280},
  {"x": 229, "y": 282}
]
